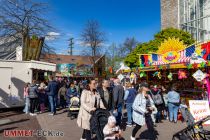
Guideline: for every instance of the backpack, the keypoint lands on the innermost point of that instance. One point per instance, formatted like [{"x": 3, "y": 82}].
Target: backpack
[
  {"x": 157, "y": 98},
  {"x": 32, "y": 91},
  {"x": 98, "y": 121}
]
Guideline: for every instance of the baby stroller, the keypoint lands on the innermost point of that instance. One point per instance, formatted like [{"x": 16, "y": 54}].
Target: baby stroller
[
  {"x": 98, "y": 121},
  {"x": 193, "y": 132},
  {"x": 74, "y": 107}
]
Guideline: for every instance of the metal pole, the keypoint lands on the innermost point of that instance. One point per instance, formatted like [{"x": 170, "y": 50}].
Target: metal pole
[{"x": 71, "y": 46}]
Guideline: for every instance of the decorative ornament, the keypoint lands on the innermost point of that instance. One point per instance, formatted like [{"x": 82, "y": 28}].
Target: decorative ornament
[
  {"x": 160, "y": 67},
  {"x": 182, "y": 74},
  {"x": 195, "y": 66},
  {"x": 171, "y": 44},
  {"x": 170, "y": 76},
  {"x": 158, "y": 74},
  {"x": 133, "y": 78},
  {"x": 142, "y": 74},
  {"x": 141, "y": 65},
  {"x": 189, "y": 66},
  {"x": 203, "y": 65}
]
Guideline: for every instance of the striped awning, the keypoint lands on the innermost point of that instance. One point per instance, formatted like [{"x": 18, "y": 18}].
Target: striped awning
[
  {"x": 181, "y": 60},
  {"x": 184, "y": 60}
]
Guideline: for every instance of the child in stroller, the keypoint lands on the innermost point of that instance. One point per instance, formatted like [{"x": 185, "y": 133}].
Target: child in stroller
[
  {"x": 111, "y": 131},
  {"x": 73, "y": 101},
  {"x": 74, "y": 107}
]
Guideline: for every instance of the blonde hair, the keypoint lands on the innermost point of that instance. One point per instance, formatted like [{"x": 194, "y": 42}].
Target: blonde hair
[
  {"x": 111, "y": 119},
  {"x": 128, "y": 84},
  {"x": 140, "y": 89}
]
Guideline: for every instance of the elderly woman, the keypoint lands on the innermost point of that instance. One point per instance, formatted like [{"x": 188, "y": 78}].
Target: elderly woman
[
  {"x": 143, "y": 107},
  {"x": 90, "y": 101}
]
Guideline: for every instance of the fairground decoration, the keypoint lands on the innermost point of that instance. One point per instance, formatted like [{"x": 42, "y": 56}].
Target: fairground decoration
[
  {"x": 182, "y": 74},
  {"x": 171, "y": 57},
  {"x": 174, "y": 53}
]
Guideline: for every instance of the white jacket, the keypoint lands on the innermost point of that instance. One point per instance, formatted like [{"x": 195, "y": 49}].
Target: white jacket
[{"x": 139, "y": 109}]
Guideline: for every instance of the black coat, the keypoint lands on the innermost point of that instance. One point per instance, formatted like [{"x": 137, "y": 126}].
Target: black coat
[{"x": 110, "y": 101}]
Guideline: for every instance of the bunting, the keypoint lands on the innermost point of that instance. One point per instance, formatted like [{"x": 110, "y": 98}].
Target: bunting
[
  {"x": 206, "y": 51},
  {"x": 190, "y": 51}
]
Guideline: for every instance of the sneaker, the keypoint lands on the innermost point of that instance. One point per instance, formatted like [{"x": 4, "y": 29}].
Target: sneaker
[
  {"x": 34, "y": 114},
  {"x": 31, "y": 114},
  {"x": 132, "y": 138},
  {"x": 51, "y": 114},
  {"x": 129, "y": 125},
  {"x": 82, "y": 139}
]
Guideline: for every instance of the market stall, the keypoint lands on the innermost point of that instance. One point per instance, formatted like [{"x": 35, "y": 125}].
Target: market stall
[{"x": 188, "y": 66}]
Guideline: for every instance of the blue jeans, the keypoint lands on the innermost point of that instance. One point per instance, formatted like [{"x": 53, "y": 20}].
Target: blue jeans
[
  {"x": 173, "y": 111},
  {"x": 119, "y": 111},
  {"x": 52, "y": 103},
  {"x": 129, "y": 112},
  {"x": 27, "y": 104}
]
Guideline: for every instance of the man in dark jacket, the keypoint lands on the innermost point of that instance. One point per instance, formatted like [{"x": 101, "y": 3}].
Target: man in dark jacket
[
  {"x": 106, "y": 94},
  {"x": 52, "y": 92},
  {"x": 118, "y": 96}
]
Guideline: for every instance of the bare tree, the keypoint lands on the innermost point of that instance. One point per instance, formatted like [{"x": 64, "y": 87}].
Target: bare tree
[
  {"x": 23, "y": 18},
  {"x": 128, "y": 46},
  {"x": 92, "y": 36}
]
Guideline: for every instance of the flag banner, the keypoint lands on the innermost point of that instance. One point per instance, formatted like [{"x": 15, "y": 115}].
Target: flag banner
[{"x": 190, "y": 51}]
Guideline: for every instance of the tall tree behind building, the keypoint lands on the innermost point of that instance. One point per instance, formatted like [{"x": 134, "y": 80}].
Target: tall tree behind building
[
  {"x": 23, "y": 18},
  {"x": 92, "y": 36}
]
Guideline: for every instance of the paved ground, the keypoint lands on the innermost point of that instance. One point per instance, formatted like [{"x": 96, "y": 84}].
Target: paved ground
[
  {"x": 61, "y": 122},
  {"x": 13, "y": 120}
]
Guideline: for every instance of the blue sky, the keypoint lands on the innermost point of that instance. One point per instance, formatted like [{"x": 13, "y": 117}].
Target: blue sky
[{"x": 118, "y": 19}]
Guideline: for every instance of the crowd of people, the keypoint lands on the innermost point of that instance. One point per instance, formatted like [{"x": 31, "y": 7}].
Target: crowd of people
[{"x": 144, "y": 104}]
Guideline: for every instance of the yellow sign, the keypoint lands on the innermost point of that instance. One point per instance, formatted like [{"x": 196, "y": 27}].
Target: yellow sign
[{"x": 171, "y": 57}]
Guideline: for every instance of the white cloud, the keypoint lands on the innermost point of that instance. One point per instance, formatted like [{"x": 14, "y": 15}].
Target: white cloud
[{"x": 52, "y": 36}]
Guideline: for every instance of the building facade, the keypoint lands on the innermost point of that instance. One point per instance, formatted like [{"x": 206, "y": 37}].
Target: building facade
[
  {"x": 77, "y": 66},
  {"x": 189, "y": 15}
]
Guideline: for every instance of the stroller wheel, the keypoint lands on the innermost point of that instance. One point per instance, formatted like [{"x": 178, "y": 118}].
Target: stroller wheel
[{"x": 72, "y": 117}]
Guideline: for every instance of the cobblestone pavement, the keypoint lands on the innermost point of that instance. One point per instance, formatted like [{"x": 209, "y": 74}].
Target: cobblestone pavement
[{"x": 61, "y": 122}]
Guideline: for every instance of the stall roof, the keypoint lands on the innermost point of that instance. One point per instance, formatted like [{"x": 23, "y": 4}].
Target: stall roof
[{"x": 32, "y": 64}]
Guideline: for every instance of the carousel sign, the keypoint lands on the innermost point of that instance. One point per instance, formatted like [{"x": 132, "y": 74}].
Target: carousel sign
[{"x": 171, "y": 57}]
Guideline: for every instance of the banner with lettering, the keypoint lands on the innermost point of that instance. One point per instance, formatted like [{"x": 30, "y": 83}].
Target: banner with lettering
[{"x": 199, "y": 109}]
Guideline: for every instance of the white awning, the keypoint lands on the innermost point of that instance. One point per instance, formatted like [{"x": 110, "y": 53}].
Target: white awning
[{"x": 42, "y": 66}]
